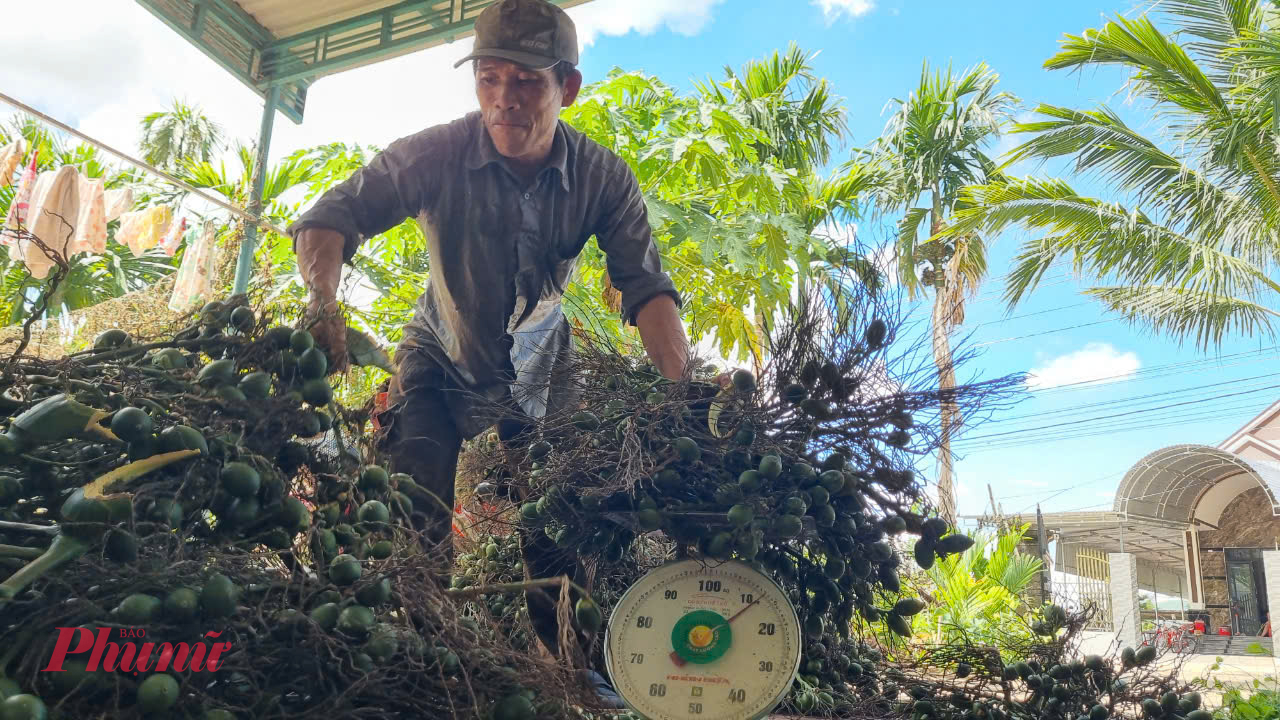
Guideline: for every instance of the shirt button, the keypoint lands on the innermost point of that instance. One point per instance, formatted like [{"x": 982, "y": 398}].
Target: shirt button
[{"x": 526, "y": 196}]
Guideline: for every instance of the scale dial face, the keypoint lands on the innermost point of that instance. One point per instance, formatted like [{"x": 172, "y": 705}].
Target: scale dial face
[{"x": 695, "y": 641}]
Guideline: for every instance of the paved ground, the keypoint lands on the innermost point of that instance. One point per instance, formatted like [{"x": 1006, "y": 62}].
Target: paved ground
[{"x": 1234, "y": 671}]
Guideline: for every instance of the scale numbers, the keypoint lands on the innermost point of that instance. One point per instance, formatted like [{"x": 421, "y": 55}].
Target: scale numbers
[{"x": 673, "y": 653}]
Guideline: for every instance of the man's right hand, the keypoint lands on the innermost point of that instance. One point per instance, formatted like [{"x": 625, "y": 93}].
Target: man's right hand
[
  {"x": 329, "y": 329},
  {"x": 319, "y": 252}
]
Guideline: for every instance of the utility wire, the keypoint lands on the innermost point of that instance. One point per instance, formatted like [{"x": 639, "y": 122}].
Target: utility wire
[
  {"x": 1045, "y": 332},
  {"x": 1166, "y": 370},
  {"x": 146, "y": 166},
  {"x": 1120, "y": 415},
  {"x": 1096, "y": 425},
  {"x": 1173, "y": 420},
  {"x": 1167, "y": 419},
  {"x": 1133, "y": 399},
  {"x": 1030, "y": 314}
]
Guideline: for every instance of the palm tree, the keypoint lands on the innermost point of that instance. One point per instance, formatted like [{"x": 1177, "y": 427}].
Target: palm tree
[
  {"x": 236, "y": 186},
  {"x": 934, "y": 146},
  {"x": 1188, "y": 251},
  {"x": 172, "y": 137}
]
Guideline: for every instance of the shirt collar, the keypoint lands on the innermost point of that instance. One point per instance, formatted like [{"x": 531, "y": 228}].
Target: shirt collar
[{"x": 483, "y": 152}]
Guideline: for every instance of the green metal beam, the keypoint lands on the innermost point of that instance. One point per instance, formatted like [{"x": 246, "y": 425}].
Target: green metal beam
[
  {"x": 230, "y": 37},
  {"x": 281, "y": 69},
  {"x": 374, "y": 36}
]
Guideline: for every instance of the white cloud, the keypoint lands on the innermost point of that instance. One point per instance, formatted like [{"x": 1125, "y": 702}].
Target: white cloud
[
  {"x": 832, "y": 9},
  {"x": 619, "y": 17},
  {"x": 1033, "y": 483},
  {"x": 1096, "y": 363}
]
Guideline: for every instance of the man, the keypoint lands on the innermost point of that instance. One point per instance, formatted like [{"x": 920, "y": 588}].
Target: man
[{"x": 506, "y": 197}]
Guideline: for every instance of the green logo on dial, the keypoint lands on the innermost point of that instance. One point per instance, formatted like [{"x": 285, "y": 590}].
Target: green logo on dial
[{"x": 701, "y": 637}]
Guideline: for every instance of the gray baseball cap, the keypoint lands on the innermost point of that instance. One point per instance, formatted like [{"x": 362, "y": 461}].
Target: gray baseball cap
[{"x": 533, "y": 33}]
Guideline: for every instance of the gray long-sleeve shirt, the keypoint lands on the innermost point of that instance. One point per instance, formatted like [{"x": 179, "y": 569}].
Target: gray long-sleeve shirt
[{"x": 501, "y": 251}]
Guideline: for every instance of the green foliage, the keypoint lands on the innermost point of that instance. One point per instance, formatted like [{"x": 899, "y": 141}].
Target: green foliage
[
  {"x": 977, "y": 594},
  {"x": 728, "y": 174},
  {"x": 934, "y": 145},
  {"x": 1258, "y": 701},
  {"x": 1189, "y": 249},
  {"x": 1260, "y": 705},
  {"x": 181, "y": 134},
  {"x": 933, "y": 148}
]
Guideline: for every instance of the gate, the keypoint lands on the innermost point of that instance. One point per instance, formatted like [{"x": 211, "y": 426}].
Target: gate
[{"x": 1093, "y": 586}]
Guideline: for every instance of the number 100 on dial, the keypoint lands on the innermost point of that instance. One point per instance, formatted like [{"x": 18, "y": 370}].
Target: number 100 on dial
[{"x": 711, "y": 642}]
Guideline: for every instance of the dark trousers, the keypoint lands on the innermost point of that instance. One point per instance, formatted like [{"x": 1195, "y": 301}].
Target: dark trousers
[{"x": 423, "y": 440}]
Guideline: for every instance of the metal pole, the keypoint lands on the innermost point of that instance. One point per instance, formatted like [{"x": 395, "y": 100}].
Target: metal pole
[
  {"x": 1043, "y": 547},
  {"x": 245, "y": 262}
]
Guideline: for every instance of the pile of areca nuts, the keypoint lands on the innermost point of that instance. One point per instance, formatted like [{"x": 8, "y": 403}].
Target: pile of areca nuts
[
  {"x": 806, "y": 472},
  {"x": 206, "y": 489},
  {"x": 169, "y": 497}
]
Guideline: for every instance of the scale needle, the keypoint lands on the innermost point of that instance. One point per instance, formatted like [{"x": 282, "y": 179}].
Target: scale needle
[{"x": 675, "y": 655}]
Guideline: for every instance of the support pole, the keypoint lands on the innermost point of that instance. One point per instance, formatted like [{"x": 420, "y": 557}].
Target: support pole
[
  {"x": 1042, "y": 546},
  {"x": 1126, "y": 618},
  {"x": 1271, "y": 579},
  {"x": 245, "y": 263}
]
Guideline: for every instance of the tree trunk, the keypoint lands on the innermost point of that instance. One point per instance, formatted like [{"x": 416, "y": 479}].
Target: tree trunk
[
  {"x": 946, "y": 304},
  {"x": 946, "y": 386}
]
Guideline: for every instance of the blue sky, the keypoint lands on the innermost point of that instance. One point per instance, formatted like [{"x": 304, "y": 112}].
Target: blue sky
[
  {"x": 871, "y": 50},
  {"x": 877, "y": 56}
]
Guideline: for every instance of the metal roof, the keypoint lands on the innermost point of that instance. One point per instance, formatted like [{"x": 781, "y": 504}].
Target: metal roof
[
  {"x": 1159, "y": 542},
  {"x": 1168, "y": 483},
  {"x": 290, "y": 43}
]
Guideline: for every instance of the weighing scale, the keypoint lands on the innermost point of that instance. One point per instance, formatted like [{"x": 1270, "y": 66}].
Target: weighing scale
[{"x": 703, "y": 640}]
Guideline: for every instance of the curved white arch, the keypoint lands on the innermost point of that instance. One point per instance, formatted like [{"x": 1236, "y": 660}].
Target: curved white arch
[{"x": 1173, "y": 482}]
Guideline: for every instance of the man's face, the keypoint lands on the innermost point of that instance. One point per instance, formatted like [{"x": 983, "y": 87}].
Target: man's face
[{"x": 521, "y": 106}]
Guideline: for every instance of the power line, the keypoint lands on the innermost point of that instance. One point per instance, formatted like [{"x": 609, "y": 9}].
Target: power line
[
  {"x": 1046, "y": 332},
  {"x": 1165, "y": 419},
  {"x": 1031, "y": 314},
  {"x": 1120, "y": 415},
  {"x": 1162, "y": 394},
  {"x": 1166, "y": 370},
  {"x": 1097, "y": 426},
  {"x": 1073, "y": 487},
  {"x": 1116, "y": 429}
]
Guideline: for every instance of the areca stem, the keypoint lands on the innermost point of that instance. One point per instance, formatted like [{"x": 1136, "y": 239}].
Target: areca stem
[{"x": 1266, "y": 179}]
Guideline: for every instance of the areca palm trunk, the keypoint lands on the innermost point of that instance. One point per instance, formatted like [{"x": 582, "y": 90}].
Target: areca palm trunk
[{"x": 948, "y": 311}]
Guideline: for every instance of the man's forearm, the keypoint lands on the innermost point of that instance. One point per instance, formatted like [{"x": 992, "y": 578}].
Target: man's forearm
[
  {"x": 663, "y": 336},
  {"x": 319, "y": 252}
]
